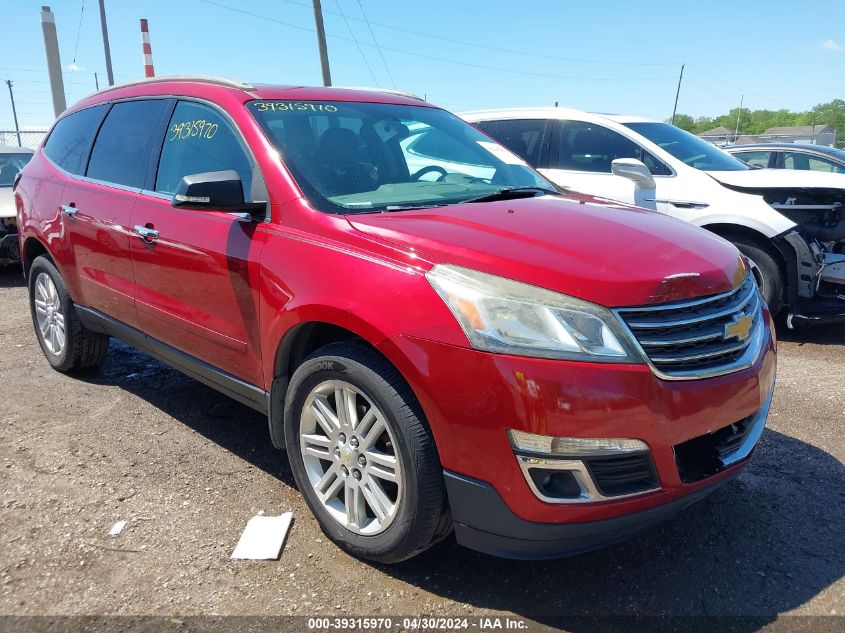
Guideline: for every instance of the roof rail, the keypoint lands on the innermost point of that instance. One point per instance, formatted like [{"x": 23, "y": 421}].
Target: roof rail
[
  {"x": 398, "y": 93},
  {"x": 219, "y": 81}
]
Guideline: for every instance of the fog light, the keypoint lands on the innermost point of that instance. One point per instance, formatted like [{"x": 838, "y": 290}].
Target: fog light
[
  {"x": 556, "y": 484},
  {"x": 573, "y": 446}
]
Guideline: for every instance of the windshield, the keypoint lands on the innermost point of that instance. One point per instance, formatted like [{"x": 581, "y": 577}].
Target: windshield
[
  {"x": 352, "y": 157},
  {"x": 10, "y": 165},
  {"x": 687, "y": 147}
]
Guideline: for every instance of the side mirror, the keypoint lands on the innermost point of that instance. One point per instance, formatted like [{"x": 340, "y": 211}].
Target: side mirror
[
  {"x": 216, "y": 191},
  {"x": 635, "y": 170}
]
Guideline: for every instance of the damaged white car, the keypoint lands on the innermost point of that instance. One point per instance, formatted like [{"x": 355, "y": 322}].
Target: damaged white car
[
  {"x": 790, "y": 224},
  {"x": 12, "y": 160}
]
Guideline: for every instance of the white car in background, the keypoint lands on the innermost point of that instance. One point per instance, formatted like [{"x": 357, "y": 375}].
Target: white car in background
[
  {"x": 12, "y": 160},
  {"x": 790, "y": 224}
]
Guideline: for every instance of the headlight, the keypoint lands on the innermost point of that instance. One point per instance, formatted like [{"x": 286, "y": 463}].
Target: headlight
[{"x": 509, "y": 317}]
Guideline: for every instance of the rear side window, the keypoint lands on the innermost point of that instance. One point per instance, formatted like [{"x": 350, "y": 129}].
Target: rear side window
[
  {"x": 793, "y": 160},
  {"x": 122, "y": 149},
  {"x": 524, "y": 137},
  {"x": 71, "y": 136},
  {"x": 200, "y": 139}
]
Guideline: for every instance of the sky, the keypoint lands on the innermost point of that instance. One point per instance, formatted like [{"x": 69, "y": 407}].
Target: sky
[{"x": 603, "y": 55}]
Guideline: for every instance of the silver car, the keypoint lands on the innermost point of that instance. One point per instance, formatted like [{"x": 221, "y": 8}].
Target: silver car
[{"x": 12, "y": 160}]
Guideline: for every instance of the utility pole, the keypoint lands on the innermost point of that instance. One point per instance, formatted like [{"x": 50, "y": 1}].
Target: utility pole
[
  {"x": 321, "y": 42},
  {"x": 14, "y": 112},
  {"x": 738, "y": 114},
  {"x": 97, "y": 81},
  {"x": 677, "y": 94},
  {"x": 54, "y": 62},
  {"x": 106, "y": 48}
]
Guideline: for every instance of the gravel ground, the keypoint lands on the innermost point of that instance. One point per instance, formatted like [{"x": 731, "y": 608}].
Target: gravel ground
[{"x": 186, "y": 467}]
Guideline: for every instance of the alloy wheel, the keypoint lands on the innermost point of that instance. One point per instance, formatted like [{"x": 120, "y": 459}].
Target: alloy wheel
[
  {"x": 48, "y": 313},
  {"x": 351, "y": 457}
]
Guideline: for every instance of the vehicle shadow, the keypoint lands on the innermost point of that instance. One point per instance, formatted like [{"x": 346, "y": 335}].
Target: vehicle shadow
[
  {"x": 235, "y": 427},
  {"x": 833, "y": 334},
  {"x": 12, "y": 276},
  {"x": 763, "y": 544}
]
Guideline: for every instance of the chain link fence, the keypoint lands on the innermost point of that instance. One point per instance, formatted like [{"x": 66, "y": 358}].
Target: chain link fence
[
  {"x": 828, "y": 139},
  {"x": 29, "y": 138}
]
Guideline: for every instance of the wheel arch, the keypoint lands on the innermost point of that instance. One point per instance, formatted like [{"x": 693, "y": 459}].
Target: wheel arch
[
  {"x": 32, "y": 248},
  {"x": 302, "y": 339},
  {"x": 780, "y": 250}
]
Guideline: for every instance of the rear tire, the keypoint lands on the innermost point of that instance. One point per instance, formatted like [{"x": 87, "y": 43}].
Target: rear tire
[
  {"x": 767, "y": 271},
  {"x": 377, "y": 517},
  {"x": 67, "y": 344}
]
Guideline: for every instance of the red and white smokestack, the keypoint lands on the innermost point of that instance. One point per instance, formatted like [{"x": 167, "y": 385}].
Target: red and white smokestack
[{"x": 149, "y": 71}]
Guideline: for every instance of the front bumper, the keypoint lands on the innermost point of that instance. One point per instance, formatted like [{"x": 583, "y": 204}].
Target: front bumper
[
  {"x": 483, "y": 522},
  {"x": 9, "y": 249},
  {"x": 472, "y": 398}
]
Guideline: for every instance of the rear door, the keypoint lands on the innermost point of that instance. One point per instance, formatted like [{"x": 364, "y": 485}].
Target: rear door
[
  {"x": 98, "y": 207},
  {"x": 197, "y": 279},
  {"x": 527, "y": 138}
]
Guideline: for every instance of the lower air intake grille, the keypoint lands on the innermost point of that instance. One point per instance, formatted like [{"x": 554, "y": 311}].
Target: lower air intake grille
[
  {"x": 623, "y": 475},
  {"x": 706, "y": 455}
]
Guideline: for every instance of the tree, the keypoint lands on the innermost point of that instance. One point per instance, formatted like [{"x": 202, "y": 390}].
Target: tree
[{"x": 831, "y": 113}]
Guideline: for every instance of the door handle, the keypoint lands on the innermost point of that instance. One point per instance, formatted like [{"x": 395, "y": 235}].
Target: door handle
[
  {"x": 69, "y": 210},
  {"x": 148, "y": 235}
]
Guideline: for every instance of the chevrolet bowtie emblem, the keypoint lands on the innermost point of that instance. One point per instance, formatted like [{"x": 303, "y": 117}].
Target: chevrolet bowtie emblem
[{"x": 739, "y": 327}]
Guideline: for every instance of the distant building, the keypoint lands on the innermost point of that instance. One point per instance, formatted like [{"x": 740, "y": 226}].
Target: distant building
[
  {"x": 811, "y": 134},
  {"x": 815, "y": 134},
  {"x": 719, "y": 136}
]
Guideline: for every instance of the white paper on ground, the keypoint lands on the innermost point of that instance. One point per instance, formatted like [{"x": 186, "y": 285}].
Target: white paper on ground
[
  {"x": 263, "y": 537},
  {"x": 117, "y": 528}
]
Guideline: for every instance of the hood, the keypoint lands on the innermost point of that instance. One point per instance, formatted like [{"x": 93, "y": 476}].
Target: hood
[
  {"x": 7, "y": 203},
  {"x": 779, "y": 179},
  {"x": 581, "y": 246}
]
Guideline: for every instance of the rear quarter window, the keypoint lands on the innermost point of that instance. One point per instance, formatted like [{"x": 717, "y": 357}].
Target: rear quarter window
[
  {"x": 71, "y": 136},
  {"x": 122, "y": 149}
]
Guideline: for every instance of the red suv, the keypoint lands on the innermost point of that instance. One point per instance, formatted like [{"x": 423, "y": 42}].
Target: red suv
[{"x": 441, "y": 339}]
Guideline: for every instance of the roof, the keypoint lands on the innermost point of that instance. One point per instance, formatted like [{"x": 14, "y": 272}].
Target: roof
[
  {"x": 547, "y": 112},
  {"x": 807, "y": 147},
  {"x": 179, "y": 85},
  {"x": 746, "y": 139},
  {"x": 799, "y": 129},
  {"x": 718, "y": 131},
  {"x": 14, "y": 149}
]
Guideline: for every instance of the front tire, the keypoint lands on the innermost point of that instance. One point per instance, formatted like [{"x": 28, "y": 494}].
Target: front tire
[
  {"x": 766, "y": 271},
  {"x": 363, "y": 456},
  {"x": 67, "y": 344}
]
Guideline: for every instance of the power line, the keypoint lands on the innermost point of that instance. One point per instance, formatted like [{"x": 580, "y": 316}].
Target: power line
[
  {"x": 497, "y": 48},
  {"x": 357, "y": 44},
  {"x": 78, "y": 32},
  {"x": 445, "y": 60},
  {"x": 742, "y": 90},
  {"x": 373, "y": 35}
]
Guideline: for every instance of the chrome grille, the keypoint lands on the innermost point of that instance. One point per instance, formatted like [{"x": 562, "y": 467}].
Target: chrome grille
[{"x": 691, "y": 339}]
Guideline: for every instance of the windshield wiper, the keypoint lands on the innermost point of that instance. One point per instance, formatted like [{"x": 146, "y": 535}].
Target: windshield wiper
[
  {"x": 512, "y": 193},
  {"x": 407, "y": 207}
]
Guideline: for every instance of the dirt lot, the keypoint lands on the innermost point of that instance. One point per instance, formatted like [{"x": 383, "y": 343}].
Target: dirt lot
[{"x": 187, "y": 467}]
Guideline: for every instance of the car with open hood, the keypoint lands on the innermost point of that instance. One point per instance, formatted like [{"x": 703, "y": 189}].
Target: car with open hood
[
  {"x": 790, "y": 224},
  {"x": 443, "y": 344},
  {"x": 12, "y": 160}
]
